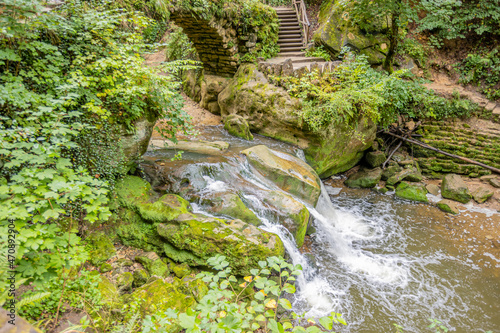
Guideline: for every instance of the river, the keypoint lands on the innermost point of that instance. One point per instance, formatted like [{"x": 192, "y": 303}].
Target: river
[{"x": 375, "y": 259}]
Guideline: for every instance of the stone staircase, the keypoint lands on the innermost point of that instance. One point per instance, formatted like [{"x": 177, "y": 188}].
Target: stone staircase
[{"x": 291, "y": 42}]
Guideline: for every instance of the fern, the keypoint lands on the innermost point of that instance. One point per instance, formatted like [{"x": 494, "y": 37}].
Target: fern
[
  {"x": 129, "y": 327},
  {"x": 35, "y": 298}
]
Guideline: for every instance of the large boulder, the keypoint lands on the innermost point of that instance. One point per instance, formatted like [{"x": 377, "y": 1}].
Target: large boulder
[
  {"x": 243, "y": 244},
  {"x": 336, "y": 31},
  {"x": 230, "y": 204},
  {"x": 211, "y": 86},
  {"x": 482, "y": 194},
  {"x": 166, "y": 226},
  {"x": 290, "y": 173},
  {"x": 237, "y": 125},
  {"x": 364, "y": 178},
  {"x": 454, "y": 188},
  {"x": 271, "y": 111}
]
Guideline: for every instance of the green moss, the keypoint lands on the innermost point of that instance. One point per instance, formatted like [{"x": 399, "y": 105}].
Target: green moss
[
  {"x": 415, "y": 192},
  {"x": 364, "y": 178},
  {"x": 154, "y": 266},
  {"x": 124, "y": 281},
  {"x": 141, "y": 276},
  {"x": 105, "y": 267},
  {"x": 100, "y": 247},
  {"x": 109, "y": 294},
  {"x": 181, "y": 270}
]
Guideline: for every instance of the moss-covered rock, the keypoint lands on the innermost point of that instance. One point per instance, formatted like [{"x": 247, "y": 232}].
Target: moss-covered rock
[
  {"x": 290, "y": 173},
  {"x": 153, "y": 264},
  {"x": 192, "y": 286},
  {"x": 100, "y": 247},
  {"x": 375, "y": 158},
  {"x": 231, "y": 205},
  {"x": 242, "y": 243},
  {"x": 109, "y": 294},
  {"x": 105, "y": 267},
  {"x": 415, "y": 192},
  {"x": 448, "y": 206},
  {"x": 132, "y": 230},
  {"x": 390, "y": 171},
  {"x": 180, "y": 270},
  {"x": 158, "y": 296},
  {"x": 433, "y": 189},
  {"x": 141, "y": 276},
  {"x": 364, "y": 178},
  {"x": 193, "y": 146},
  {"x": 482, "y": 194},
  {"x": 454, "y": 188},
  {"x": 336, "y": 30},
  {"x": 271, "y": 111},
  {"x": 124, "y": 281},
  {"x": 237, "y": 125},
  {"x": 135, "y": 193}
]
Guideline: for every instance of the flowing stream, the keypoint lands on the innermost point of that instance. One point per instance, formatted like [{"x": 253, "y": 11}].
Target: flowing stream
[{"x": 374, "y": 259}]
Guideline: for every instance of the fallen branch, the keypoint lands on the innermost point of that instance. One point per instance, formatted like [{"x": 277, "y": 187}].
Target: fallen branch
[
  {"x": 392, "y": 153},
  {"x": 418, "y": 143}
]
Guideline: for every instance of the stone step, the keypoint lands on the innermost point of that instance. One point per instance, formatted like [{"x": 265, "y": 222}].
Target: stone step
[
  {"x": 289, "y": 37},
  {"x": 290, "y": 25},
  {"x": 298, "y": 65},
  {"x": 287, "y": 20},
  {"x": 287, "y": 16},
  {"x": 288, "y": 30},
  {"x": 291, "y": 54},
  {"x": 289, "y": 33},
  {"x": 297, "y": 59},
  {"x": 291, "y": 49},
  {"x": 291, "y": 44}
]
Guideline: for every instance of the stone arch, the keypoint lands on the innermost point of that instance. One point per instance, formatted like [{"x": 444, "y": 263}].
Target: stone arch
[{"x": 217, "y": 42}]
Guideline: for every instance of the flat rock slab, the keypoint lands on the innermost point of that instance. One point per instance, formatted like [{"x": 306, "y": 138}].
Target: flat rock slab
[
  {"x": 199, "y": 147},
  {"x": 481, "y": 194},
  {"x": 448, "y": 206},
  {"x": 365, "y": 178},
  {"x": 288, "y": 172},
  {"x": 415, "y": 192}
]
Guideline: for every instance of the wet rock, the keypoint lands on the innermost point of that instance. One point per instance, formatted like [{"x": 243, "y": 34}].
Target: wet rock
[
  {"x": 199, "y": 147},
  {"x": 365, "y": 178},
  {"x": 191, "y": 286},
  {"x": 288, "y": 172},
  {"x": 415, "y": 192},
  {"x": 390, "y": 171},
  {"x": 454, "y": 188},
  {"x": 481, "y": 194},
  {"x": 231, "y": 205},
  {"x": 448, "y": 206},
  {"x": 141, "y": 276},
  {"x": 293, "y": 215},
  {"x": 237, "y": 125},
  {"x": 410, "y": 174},
  {"x": 375, "y": 158},
  {"x": 433, "y": 189},
  {"x": 153, "y": 264},
  {"x": 101, "y": 248},
  {"x": 494, "y": 182},
  {"x": 203, "y": 236}
]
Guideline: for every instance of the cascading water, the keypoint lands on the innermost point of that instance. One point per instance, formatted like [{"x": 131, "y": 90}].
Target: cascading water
[{"x": 376, "y": 260}]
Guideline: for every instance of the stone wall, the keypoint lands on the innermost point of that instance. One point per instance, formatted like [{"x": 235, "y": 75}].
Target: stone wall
[
  {"x": 219, "y": 43},
  {"x": 475, "y": 138}
]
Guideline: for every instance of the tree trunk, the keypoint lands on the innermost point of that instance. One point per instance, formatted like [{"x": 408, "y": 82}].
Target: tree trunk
[{"x": 393, "y": 39}]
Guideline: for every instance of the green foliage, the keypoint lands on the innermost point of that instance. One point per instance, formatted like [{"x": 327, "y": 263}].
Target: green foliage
[
  {"x": 438, "y": 326},
  {"x": 319, "y": 52},
  {"x": 71, "y": 80},
  {"x": 353, "y": 91},
  {"x": 457, "y": 19},
  {"x": 80, "y": 292},
  {"x": 413, "y": 49},
  {"x": 226, "y": 308},
  {"x": 482, "y": 69},
  {"x": 178, "y": 46}
]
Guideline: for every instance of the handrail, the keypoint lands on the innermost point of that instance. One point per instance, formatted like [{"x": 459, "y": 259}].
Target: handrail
[{"x": 300, "y": 10}]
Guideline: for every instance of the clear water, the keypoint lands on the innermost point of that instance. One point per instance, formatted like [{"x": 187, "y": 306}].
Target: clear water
[{"x": 377, "y": 260}]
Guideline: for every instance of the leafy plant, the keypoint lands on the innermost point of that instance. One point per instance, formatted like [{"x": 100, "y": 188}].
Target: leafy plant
[
  {"x": 482, "y": 69},
  {"x": 318, "y": 52},
  {"x": 226, "y": 308},
  {"x": 438, "y": 326}
]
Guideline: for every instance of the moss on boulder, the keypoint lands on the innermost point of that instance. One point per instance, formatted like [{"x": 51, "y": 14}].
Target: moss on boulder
[
  {"x": 365, "y": 178},
  {"x": 153, "y": 264},
  {"x": 141, "y": 276},
  {"x": 336, "y": 30},
  {"x": 448, "y": 206},
  {"x": 242, "y": 243},
  {"x": 271, "y": 111},
  {"x": 110, "y": 296},
  {"x": 375, "y": 158},
  {"x": 237, "y": 125},
  {"x": 100, "y": 247},
  {"x": 415, "y": 192},
  {"x": 482, "y": 194},
  {"x": 231, "y": 205}
]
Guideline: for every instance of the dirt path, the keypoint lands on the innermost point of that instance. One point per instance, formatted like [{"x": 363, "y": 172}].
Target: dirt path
[{"x": 199, "y": 117}]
